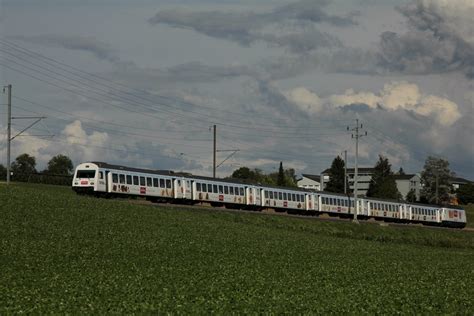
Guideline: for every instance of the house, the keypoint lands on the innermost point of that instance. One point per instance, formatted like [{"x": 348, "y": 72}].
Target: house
[
  {"x": 407, "y": 182},
  {"x": 364, "y": 176},
  {"x": 309, "y": 181},
  {"x": 458, "y": 182}
]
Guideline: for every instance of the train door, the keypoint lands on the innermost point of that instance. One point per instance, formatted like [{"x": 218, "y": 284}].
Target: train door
[
  {"x": 402, "y": 209},
  {"x": 179, "y": 189},
  {"x": 258, "y": 196},
  {"x": 101, "y": 181},
  {"x": 188, "y": 189},
  {"x": 250, "y": 195}
]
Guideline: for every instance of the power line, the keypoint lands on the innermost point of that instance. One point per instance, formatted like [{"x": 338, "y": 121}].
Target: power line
[{"x": 190, "y": 104}]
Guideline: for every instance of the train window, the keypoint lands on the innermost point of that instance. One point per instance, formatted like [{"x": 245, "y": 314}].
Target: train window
[
  {"x": 231, "y": 190},
  {"x": 179, "y": 183},
  {"x": 221, "y": 189},
  {"x": 293, "y": 197},
  {"x": 168, "y": 183},
  {"x": 198, "y": 187},
  {"x": 142, "y": 180},
  {"x": 85, "y": 174},
  {"x": 149, "y": 182},
  {"x": 155, "y": 182},
  {"x": 214, "y": 188},
  {"x": 271, "y": 194},
  {"x": 135, "y": 180},
  {"x": 242, "y": 191},
  {"x": 101, "y": 175},
  {"x": 162, "y": 183},
  {"x": 280, "y": 196},
  {"x": 129, "y": 179},
  {"x": 204, "y": 187},
  {"x": 298, "y": 198},
  {"x": 122, "y": 178},
  {"x": 226, "y": 189},
  {"x": 330, "y": 201},
  {"x": 114, "y": 178},
  {"x": 286, "y": 196},
  {"x": 209, "y": 188}
]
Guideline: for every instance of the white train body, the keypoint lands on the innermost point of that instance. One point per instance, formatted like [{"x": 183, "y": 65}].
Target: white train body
[{"x": 100, "y": 178}]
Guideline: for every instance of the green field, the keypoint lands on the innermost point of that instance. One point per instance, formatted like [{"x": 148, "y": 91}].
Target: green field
[{"x": 62, "y": 253}]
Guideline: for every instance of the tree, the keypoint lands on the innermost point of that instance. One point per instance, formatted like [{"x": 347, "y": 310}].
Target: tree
[
  {"x": 3, "y": 172},
  {"x": 401, "y": 171},
  {"x": 281, "y": 176},
  {"x": 435, "y": 178},
  {"x": 255, "y": 175},
  {"x": 411, "y": 196},
  {"x": 382, "y": 184},
  {"x": 60, "y": 165},
  {"x": 24, "y": 165},
  {"x": 336, "y": 176},
  {"x": 465, "y": 193}
]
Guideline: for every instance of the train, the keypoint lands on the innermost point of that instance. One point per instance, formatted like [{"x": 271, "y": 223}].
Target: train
[{"x": 106, "y": 180}]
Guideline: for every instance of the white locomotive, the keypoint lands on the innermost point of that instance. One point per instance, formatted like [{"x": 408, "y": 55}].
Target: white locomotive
[{"x": 102, "y": 179}]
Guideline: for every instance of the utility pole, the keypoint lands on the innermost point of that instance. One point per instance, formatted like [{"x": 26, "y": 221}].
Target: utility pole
[
  {"x": 215, "y": 150},
  {"x": 356, "y": 135},
  {"x": 9, "y": 128},
  {"x": 345, "y": 172}
]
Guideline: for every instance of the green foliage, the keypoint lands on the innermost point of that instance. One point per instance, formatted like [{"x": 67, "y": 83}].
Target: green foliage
[
  {"x": 436, "y": 174},
  {"x": 383, "y": 185},
  {"x": 23, "y": 166},
  {"x": 257, "y": 176},
  {"x": 411, "y": 196},
  {"x": 465, "y": 193},
  {"x": 60, "y": 165},
  {"x": 336, "y": 176},
  {"x": 3, "y": 172},
  {"x": 469, "y": 215},
  {"x": 67, "y": 254}
]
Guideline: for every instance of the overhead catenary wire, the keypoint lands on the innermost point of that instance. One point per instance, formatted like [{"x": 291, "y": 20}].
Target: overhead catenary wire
[{"x": 193, "y": 112}]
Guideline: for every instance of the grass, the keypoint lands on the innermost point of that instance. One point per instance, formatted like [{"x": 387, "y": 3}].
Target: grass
[
  {"x": 469, "y": 214},
  {"x": 62, "y": 253}
]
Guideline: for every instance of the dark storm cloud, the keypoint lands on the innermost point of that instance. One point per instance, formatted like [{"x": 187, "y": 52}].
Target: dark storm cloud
[
  {"x": 440, "y": 39},
  {"x": 99, "y": 49},
  {"x": 290, "y": 26}
]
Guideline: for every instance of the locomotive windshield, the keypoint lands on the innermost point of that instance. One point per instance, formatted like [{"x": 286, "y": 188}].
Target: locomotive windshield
[{"x": 85, "y": 174}]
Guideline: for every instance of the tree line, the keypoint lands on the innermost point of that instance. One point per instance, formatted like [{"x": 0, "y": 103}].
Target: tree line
[
  {"x": 435, "y": 182},
  {"x": 58, "y": 171}
]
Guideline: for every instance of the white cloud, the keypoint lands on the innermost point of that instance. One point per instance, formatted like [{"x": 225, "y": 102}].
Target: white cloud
[
  {"x": 394, "y": 96},
  {"x": 305, "y": 99}
]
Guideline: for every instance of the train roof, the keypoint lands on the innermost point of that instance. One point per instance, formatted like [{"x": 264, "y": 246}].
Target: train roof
[
  {"x": 101, "y": 164},
  {"x": 124, "y": 168}
]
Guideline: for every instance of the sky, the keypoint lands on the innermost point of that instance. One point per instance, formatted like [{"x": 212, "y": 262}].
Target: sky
[{"x": 141, "y": 83}]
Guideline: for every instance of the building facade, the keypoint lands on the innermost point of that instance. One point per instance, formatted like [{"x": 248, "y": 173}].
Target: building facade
[
  {"x": 309, "y": 181},
  {"x": 406, "y": 183},
  {"x": 364, "y": 176}
]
